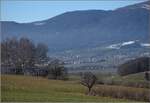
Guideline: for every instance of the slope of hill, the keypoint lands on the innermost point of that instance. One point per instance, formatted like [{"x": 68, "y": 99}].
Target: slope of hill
[{"x": 85, "y": 29}]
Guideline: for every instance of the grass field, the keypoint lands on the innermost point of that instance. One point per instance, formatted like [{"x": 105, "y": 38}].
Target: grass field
[
  {"x": 139, "y": 77},
  {"x": 132, "y": 80},
  {"x": 37, "y": 89}
]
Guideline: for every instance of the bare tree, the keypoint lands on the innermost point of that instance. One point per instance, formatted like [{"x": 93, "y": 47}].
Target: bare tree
[
  {"x": 147, "y": 76},
  {"x": 41, "y": 53},
  {"x": 88, "y": 79},
  {"x": 21, "y": 54},
  {"x": 9, "y": 52},
  {"x": 26, "y": 53}
]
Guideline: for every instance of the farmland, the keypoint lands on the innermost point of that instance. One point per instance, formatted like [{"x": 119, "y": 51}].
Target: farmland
[{"x": 27, "y": 89}]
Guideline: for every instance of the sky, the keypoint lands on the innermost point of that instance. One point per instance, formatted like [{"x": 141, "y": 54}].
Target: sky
[{"x": 37, "y": 10}]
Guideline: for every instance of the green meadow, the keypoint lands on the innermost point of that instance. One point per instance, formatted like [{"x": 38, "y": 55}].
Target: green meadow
[{"x": 37, "y": 89}]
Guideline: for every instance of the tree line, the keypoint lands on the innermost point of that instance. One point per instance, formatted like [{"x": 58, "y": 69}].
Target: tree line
[
  {"x": 24, "y": 55},
  {"x": 137, "y": 65}
]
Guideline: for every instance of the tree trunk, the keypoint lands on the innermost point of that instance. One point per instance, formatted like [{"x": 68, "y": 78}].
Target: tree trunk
[{"x": 89, "y": 90}]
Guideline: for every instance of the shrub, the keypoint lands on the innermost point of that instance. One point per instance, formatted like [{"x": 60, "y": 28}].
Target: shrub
[
  {"x": 139, "y": 94},
  {"x": 56, "y": 70},
  {"x": 147, "y": 76}
]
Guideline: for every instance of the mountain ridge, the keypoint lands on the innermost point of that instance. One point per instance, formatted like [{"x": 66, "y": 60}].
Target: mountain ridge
[{"x": 86, "y": 28}]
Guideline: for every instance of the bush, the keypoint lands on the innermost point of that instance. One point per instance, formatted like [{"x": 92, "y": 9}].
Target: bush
[
  {"x": 56, "y": 70},
  {"x": 147, "y": 76},
  {"x": 139, "y": 94},
  {"x": 142, "y": 84}
]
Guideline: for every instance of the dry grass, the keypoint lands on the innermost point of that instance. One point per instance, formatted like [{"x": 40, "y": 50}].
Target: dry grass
[
  {"x": 36, "y": 89},
  {"x": 138, "y": 94}
]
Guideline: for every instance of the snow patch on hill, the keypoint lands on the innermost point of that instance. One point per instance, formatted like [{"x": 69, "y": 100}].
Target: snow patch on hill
[
  {"x": 145, "y": 44},
  {"x": 146, "y": 7},
  {"x": 128, "y": 43},
  {"x": 119, "y": 45},
  {"x": 39, "y": 23}
]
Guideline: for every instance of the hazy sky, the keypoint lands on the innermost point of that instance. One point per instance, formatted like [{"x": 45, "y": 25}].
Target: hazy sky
[{"x": 30, "y": 10}]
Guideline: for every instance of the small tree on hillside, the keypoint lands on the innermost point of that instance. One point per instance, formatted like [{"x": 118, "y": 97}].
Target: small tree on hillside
[
  {"x": 56, "y": 70},
  {"x": 88, "y": 79},
  {"x": 147, "y": 76}
]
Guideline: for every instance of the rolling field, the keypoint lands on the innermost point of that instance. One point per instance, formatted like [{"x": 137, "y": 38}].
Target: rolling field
[{"x": 37, "y": 89}]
